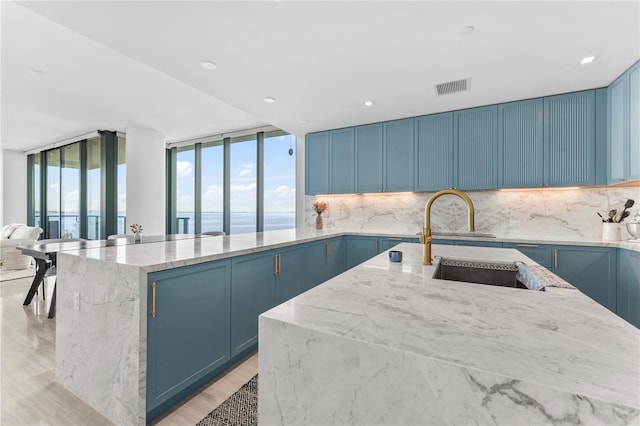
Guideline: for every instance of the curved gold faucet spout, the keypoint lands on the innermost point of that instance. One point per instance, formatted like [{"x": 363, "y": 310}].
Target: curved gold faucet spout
[{"x": 426, "y": 231}]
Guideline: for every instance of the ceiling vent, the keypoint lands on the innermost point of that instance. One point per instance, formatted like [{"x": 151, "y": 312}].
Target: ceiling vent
[{"x": 456, "y": 86}]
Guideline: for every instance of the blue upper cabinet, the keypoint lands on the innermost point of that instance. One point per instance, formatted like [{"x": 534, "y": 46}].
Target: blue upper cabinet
[
  {"x": 617, "y": 138},
  {"x": 634, "y": 123},
  {"x": 342, "y": 161},
  {"x": 398, "y": 155},
  {"x": 369, "y": 158},
  {"x": 570, "y": 139},
  {"x": 520, "y": 144},
  {"x": 434, "y": 152},
  {"x": 476, "y": 135},
  {"x": 317, "y": 163},
  {"x": 623, "y": 119}
]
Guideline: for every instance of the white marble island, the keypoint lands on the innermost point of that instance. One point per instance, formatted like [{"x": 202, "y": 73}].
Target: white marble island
[{"x": 384, "y": 343}]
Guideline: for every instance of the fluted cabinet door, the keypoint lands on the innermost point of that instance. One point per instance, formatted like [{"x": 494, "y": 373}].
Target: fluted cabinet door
[
  {"x": 633, "y": 166},
  {"x": 398, "y": 155},
  {"x": 369, "y": 158},
  {"x": 617, "y": 137},
  {"x": 317, "y": 163},
  {"x": 342, "y": 161},
  {"x": 570, "y": 139},
  {"x": 434, "y": 152},
  {"x": 520, "y": 141},
  {"x": 476, "y": 134}
]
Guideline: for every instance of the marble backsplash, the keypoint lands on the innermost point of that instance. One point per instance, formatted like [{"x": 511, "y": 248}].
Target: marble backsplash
[{"x": 554, "y": 214}]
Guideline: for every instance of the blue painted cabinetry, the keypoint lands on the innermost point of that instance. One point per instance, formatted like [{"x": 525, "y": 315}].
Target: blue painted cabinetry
[
  {"x": 542, "y": 254},
  {"x": 476, "y": 135},
  {"x": 398, "y": 155},
  {"x": 290, "y": 273},
  {"x": 359, "y": 249},
  {"x": 323, "y": 260},
  {"x": 188, "y": 332},
  {"x": 593, "y": 270},
  {"x": 520, "y": 144},
  {"x": 628, "y": 289},
  {"x": 368, "y": 157},
  {"x": 317, "y": 163},
  {"x": 342, "y": 161},
  {"x": 570, "y": 139},
  {"x": 252, "y": 293},
  {"x": 434, "y": 152},
  {"x": 623, "y": 120}
]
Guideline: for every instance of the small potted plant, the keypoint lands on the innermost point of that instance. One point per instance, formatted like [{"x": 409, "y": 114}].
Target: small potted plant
[
  {"x": 137, "y": 232},
  {"x": 320, "y": 207}
]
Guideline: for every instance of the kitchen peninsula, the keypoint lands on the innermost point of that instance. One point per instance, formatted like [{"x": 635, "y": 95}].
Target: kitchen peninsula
[
  {"x": 385, "y": 343},
  {"x": 106, "y": 320}
]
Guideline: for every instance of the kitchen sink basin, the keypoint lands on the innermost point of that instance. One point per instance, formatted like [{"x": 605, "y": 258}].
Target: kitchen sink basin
[{"x": 499, "y": 274}]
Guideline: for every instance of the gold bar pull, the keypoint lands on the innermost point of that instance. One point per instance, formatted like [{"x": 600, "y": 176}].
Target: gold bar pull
[
  {"x": 527, "y": 245},
  {"x": 275, "y": 265},
  {"x": 555, "y": 258},
  {"x": 328, "y": 249},
  {"x": 394, "y": 239},
  {"x": 153, "y": 299}
]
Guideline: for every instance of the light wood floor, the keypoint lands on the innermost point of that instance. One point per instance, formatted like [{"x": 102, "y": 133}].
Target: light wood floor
[{"x": 29, "y": 394}]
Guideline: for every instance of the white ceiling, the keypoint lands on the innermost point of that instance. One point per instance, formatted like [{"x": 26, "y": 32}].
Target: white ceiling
[{"x": 120, "y": 64}]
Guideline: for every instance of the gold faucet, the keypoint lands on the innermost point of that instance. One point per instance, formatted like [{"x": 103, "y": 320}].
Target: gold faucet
[{"x": 426, "y": 231}]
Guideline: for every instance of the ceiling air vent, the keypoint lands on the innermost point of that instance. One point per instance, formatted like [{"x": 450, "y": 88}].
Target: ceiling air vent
[{"x": 449, "y": 87}]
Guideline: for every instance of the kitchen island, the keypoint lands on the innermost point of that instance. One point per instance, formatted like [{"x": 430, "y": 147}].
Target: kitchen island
[{"x": 385, "y": 343}]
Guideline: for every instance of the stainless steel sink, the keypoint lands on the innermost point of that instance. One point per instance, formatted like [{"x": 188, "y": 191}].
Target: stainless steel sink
[{"x": 498, "y": 274}]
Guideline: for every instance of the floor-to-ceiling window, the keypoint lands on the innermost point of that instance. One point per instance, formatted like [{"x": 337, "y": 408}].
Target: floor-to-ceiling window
[
  {"x": 185, "y": 184},
  {"x": 94, "y": 174},
  {"x": 250, "y": 204},
  {"x": 212, "y": 186},
  {"x": 243, "y": 185},
  {"x": 279, "y": 182},
  {"x": 66, "y": 184}
]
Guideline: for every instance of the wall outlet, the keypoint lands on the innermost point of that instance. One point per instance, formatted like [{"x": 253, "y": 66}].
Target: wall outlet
[{"x": 76, "y": 300}]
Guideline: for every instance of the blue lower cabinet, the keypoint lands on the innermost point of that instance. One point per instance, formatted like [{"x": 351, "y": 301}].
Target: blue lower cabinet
[
  {"x": 335, "y": 256},
  {"x": 360, "y": 249},
  {"x": 315, "y": 255},
  {"x": 593, "y": 270},
  {"x": 628, "y": 289},
  {"x": 387, "y": 243},
  {"x": 540, "y": 253},
  {"x": 290, "y": 273},
  {"x": 252, "y": 293},
  {"x": 188, "y": 331},
  {"x": 442, "y": 242}
]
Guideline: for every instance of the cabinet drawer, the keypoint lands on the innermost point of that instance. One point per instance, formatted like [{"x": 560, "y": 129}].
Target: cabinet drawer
[{"x": 539, "y": 253}]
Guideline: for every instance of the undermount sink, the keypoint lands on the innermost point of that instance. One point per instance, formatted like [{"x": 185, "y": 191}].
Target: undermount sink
[{"x": 498, "y": 274}]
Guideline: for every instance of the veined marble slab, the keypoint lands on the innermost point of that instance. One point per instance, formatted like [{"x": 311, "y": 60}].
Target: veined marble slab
[{"x": 384, "y": 343}]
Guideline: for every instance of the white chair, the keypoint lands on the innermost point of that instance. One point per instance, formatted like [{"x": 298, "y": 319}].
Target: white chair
[{"x": 12, "y": 236}]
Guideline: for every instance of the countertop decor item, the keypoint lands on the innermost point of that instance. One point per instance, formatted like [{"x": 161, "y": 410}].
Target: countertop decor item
[
  {"x": 320, "y": 207},
  {"x": 137, "y": 231}
]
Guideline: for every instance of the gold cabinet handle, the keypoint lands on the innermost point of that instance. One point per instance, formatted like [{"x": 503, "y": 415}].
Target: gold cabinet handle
[
  {"x": 153, "y": 299},
  {"x": 394, "y": 239},
  {"x": 555, "y": 258},
  {"x": 376, "y": 246},
  {"x": 328, "y": 249},
  {"x": 527, "y": 245},
  {"x": 275, "y": 265}
]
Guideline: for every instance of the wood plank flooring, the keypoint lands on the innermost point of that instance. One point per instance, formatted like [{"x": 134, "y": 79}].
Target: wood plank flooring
[{"x": 29, "y": 394}]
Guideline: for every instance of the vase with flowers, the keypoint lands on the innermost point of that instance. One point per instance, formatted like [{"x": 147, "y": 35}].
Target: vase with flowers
[
  {"x": 137, "y": 232},
  {"x": 320, "y": 207}
]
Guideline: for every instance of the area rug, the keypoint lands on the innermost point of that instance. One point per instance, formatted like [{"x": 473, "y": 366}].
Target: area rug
[
  {"x": 14, "y": 274},
  {"x": 240, "y": 409}
]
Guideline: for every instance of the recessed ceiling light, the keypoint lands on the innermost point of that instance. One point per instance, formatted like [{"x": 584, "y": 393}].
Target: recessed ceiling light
[
  {"x": 208, "y": 65},
  {"x": 269, "y": 100},
  {"x": 468, "y": 29},
  {"x": 368, "y": 103},
  {"x": 38, "y": 73},
  {"x": 587, "y": 60},
  {"x": 303, "y": 121}
]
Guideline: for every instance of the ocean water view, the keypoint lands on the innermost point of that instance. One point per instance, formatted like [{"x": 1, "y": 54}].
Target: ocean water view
[{"x": 68, "y": 225}]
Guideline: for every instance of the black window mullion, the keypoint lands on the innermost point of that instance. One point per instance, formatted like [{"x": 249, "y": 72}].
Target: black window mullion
[
  {"x": 108, "y": 183},
  {"x": 31, "y": 208},
  {"x": 44, "y": 223},
  {"x": 226, "y": 204},
  {"x": 197, "y": 191},
  {"x": 84, "y": 226},
  {"x": 171, "y": 224},
  {"x": 260, "y": 182}
]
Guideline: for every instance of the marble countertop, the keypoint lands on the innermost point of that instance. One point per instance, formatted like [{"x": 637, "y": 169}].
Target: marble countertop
[
  {"x": 558, "y": 339},
  {"x": 163, "y": 255}
]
